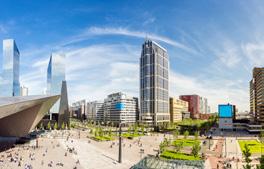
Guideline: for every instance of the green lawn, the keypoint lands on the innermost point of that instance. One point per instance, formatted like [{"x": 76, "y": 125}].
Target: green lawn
[
  {"x": 186, "y": 142},
  {"x": 179, "y": 156},
  {"x": 103, "y": 138},
  {"x": 254, "y": 145},
  {"x": 131, "y": 135}
]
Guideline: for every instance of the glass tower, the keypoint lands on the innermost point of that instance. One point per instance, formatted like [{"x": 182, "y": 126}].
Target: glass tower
[
  {"x": 55, "y": 76},
  {"x": 154, "y": 87},
  {"x": 10, "y": 85}
]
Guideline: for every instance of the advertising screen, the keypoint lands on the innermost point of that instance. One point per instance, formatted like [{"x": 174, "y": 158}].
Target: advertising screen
[
  {"x": 120, "y": 106},
  {"x": 225, "y": 110}
]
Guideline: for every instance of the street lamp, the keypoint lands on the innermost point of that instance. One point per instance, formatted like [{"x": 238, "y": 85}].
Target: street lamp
[{"x": 120, "y": 143}]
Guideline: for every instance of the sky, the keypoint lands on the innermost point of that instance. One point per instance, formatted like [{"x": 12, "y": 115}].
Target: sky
[{"x": 212, "y": 45}]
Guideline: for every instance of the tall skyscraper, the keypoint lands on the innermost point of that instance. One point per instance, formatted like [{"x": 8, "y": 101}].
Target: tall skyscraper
[
  {"x": 10, "y": 85},
  {"x": 55, "y": 76},
  {"x": 257, "y": 94},
  {"x": 154, "y": 84}
]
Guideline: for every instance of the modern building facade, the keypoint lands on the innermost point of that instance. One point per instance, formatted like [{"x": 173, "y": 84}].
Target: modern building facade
[
  {"x": 10, "y": 85},
  {"x": 95, "y": 110},
  {"x": 257, "y": 95},
  {"x": 193, "y": 104},
  {"x": 20, "y": 115},
  {"x": 55, "y": 76},
  {"x": 120, "y": 108},
  {"x": 23, "y": 91},
  {"x": 203, "y": 105},
  {"x": 154, "y": 84},
  {"x": 177, "y": 108}
]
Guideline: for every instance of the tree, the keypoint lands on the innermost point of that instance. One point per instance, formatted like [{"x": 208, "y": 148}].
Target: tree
[
  {"x": 63, "y": 126},
  {"x": 178, "y": 146},
  {"x": 55, "y": 127},
  {"x": 196, "y": 135},
  {"x": 41, "y": 126},
  {"x": 186, "y": 134},
  {"x": 48, "y": 125},
  {"x": 142, "y": 129},
  {"x": 176, "y": 134},
  {"x": 162, "y": 147},
  {"x": 247, "y": 154},
  {"x": 261, "y": 161},
  {"x": 195, "y": 149}
]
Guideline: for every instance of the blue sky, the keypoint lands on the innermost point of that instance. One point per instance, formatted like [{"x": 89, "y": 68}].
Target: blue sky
[{"x": 213, "y": 45}]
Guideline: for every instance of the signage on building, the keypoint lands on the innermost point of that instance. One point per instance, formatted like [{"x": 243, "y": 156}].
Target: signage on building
[{"x": 120, "y": 106}]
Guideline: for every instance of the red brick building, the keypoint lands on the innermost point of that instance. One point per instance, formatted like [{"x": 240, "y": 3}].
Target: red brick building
[{"x": 194, "y": 105}]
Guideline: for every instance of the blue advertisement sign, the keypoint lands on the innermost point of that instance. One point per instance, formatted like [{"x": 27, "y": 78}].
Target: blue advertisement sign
[
  {"x": 120, "y": 106},
  {"x": 225, "y": 110}
]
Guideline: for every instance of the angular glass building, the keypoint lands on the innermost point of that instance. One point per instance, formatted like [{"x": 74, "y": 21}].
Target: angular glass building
[
  {"x": 154, "y": 84},
  {"x": 10, "y": 85},
  {"x": 55, "y": 76}
]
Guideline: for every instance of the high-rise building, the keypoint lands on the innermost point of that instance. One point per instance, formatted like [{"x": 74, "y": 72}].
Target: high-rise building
[
  {"x": 55, "y": 76},
  {"x": 10, "y": 85},
  {"x": 203, "y": 104},
  {"x": 118, "y": 107},
  {"x": 23, "y": 91},
  {"x": 154, "y": 84},
  {"x": 194, "y": 104},
  {"x": 79, "y": 109},
  {"x": 95, "y": 110},
  {"x": 257, "y": 95},
  {"x": 177, "y": 108}
]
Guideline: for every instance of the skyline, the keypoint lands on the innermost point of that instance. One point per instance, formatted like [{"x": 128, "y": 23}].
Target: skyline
[{"x": 212, "y": 50}]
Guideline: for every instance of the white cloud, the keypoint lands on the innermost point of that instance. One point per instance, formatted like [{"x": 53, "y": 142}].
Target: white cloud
[
  {"x": 254, "y": 52},
  {"x": 126, "y": 32}
]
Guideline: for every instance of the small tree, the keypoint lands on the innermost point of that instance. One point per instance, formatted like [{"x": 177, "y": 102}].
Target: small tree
[
  {"x": 196, "y": 135},
  {"x": 162, "y": 147},
  {"x": 48, "y": 125},
  {"x": 186, "y": 134},
  {"x": 55, "y": 127},
  {"x": 142, "y": 129},
  {"x": 41, "y": 126},
  {"x": 176, "y": 134},
  {"x": 247, "y": 154},
  {"x": 261, "y": 161},
  {"x": 195, "y": 149},
  {"x": 178, "y": 146},
  {"x": 63, "y": 126}
]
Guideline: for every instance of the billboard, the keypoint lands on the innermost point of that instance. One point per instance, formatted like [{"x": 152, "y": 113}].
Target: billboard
[
  {"x": 225, "y": 111},
  {"x": 120, "y": 106}
]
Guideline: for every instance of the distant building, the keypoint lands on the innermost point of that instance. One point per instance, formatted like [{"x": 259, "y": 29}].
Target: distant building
[
  {"x": 95, "y": 110},
  {"x": 10, "y": 85},
  {"x": 79, "y": 109},
  {"x": 154, "y": 84},
  {"x": 55, "y": 76},
  {"x": 257, "y": 95},
  {"x": 193, "y": 106},
  {"x": 203, "y": 104},
  {"x": 186, "y": 115},
  {"x": 177, "y": 107},
  {"x": 118, "y": 107},
  {"x": 226, "y": 113},
  {"x": 23, "y": 91}
]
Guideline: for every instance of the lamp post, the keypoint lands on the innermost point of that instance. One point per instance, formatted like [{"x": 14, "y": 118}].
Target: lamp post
[{"x": 120, "y": 143}]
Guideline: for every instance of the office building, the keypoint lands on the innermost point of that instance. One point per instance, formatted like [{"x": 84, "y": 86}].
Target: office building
[
  {"x": 55, "y": 76},
  {"x": 79, "y": 109},
  {"x": 257, "y": 95},
  {"x": 203, "y": 104},
  {"x": 23, "y": 91},
  {"x": 177, "y": 108},
  {"x": 193, "y": 105},
  {"x": 154, "y": 84},
  {"x": 95, "y": 110},
  {"x": 10, "y": 85},
  {"x": 20, "y": 115},
  {"x": 118, "y": 107}
]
